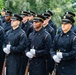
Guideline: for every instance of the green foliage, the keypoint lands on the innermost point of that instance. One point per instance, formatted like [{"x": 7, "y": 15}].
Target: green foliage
[
  {"x": 39, "y": 6},
  {"x": 1, "y": 4}
]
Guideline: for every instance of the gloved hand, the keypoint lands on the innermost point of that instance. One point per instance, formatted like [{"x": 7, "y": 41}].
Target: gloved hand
[
  {"x": 59, "y": 55},
  {"x": 33, "y": 51},
  {"x": 6, "y": 50},
  {"x": 8, "y": 46},
  {"x": 29, "y": 55},
  {"x": 56, "y": 59}
]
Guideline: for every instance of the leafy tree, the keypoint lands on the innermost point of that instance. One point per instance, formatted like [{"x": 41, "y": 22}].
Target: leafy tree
[
  {"x": 1, "y": 4},
  {"x": 39, "y": 6}
]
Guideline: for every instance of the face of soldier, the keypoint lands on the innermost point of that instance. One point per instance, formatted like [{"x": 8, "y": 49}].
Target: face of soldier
[
  {"x": 3, "y": 13},
  {"x": 25, "y": 19},
  {"x": 15, "y": 23},
  {"x": 7, "y": 18},
  {"x": 50, "y": 17},
  {"x": 37, "y": 25},
  {"x": 66, "y": 27},
  {"x": 45, "y": 22},
  {"x": 31, "y": 18}
]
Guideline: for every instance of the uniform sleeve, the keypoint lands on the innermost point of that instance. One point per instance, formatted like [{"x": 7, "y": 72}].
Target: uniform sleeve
[
  {"x": 1, "y": 37},
  {"x": 72, "y": 53},
  {"x": 53, "y": 34},
  {"x": 5, "y": 39},
  {"x": 55, "y": 27},
  {"x": 54, "y": 46},
  {"x": 46, "y": 50},
  {"x": 22, "y": 45},
  {"x": 30, "y": 29},
  {"x": 28, "y": 46}
]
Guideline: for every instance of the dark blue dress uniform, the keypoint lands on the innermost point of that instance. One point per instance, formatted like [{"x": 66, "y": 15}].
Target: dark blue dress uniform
[
  {"x": 2, "y": 55},
  {"x": 51, "y": 23},
  {"x": 50, "y": 62},
  {"x": 15, "y": 60},
  {"x": 50, "y": 30},
  {"x": 27, "y": 27},
  {"x": 42, "y": 42},
  {"x": 6, "y": 26},
  {"x": 66, "y": 43},
  {"x": 2, "y": 20}
]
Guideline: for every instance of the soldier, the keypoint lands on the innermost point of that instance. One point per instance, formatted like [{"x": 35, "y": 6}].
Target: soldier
[
  {"x": 50, "y": 30},
  {"x": 15, "y": 47},
  {"x": 71, "y": 14},
  {"x": 51, "y": 23},
  {"x": 47, "y": 26},
  {"x": 2, "y": 18},
  {"x": 2, "y": 55},
  {"x": 64, "y": 49},
  {"x": 39, "y": 44},
  {"x": 26, "y": 25},
  {"x": 7, "y": 25},
  {"x": 31, "y": 16}
]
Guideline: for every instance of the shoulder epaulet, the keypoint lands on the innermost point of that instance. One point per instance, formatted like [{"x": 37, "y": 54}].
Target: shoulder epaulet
[
  {"x": 74, "y": 38},
  {"x": 74, "y": 33},
  {"x": 31, "y": 26},
  {"x": 46, "y": 34}
]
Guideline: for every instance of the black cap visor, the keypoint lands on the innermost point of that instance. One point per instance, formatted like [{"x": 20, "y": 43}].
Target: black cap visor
[
  {"x": 66, "y": 21},
  {"x": 37, "y": 20}
]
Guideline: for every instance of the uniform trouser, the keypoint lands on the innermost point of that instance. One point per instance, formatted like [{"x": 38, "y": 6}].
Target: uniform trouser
[
  {"x": 1, "y": 66},
  {"x": 16, "y": 64},
  {"x": 50, "y": 65},
  {"x": 37, "y": 66},
  {"x": 1, "y": 62}
]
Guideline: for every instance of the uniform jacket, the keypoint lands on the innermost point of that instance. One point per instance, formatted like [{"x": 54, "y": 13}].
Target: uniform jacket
[
  {"x": 65, "y": 43},
  {"x": 6, "y": 26},
  {"x": 15, "y": 59},
  {"x": 27, "y": 27},
  {"x": 52, "y": 24},
  {"x": 50, "y": 30},
  {"x": 41, "y": 42}
]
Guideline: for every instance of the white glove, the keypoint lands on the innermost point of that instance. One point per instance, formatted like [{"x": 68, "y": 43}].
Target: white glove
[
  {"x": 33, "y": 51},
  {"x": 59, "y": 55},
  {"x": 29, "y": 55},
  {"x": 56, "y": 59},
  {"x": 6, "y": 50},
  {"x": 8, "y": 46}
]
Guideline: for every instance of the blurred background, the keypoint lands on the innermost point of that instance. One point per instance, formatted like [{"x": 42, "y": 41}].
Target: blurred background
[{"x": 58, "y": 7}]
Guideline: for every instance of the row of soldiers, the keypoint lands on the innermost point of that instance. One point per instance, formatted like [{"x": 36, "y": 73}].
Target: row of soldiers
[{"x": 31, "y": 38}]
